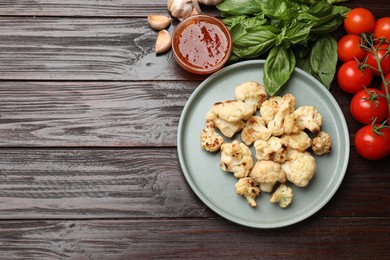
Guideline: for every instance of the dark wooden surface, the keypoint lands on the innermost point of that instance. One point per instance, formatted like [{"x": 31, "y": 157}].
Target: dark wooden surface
[{"x": 88, "y": 159}]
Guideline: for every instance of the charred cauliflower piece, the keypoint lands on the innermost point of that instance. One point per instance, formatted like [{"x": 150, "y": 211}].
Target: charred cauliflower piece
[
  {"x": 321, "y": 143},
  {"x": 282, "y": 195},
  {"x": 299, "y": 141},
  {"x": 231, "y": 110},
  {"x": 228, "y": 116},
  {"x": 247, "y": 187},
  {"x": 274, "y": 149},
  {"x": 270, "y": 107},
  {"x": 254, "y": 129},
  {"x": 304, "y": 117},
  {"x": 286, "y": 107},
  {"x": 210, "y": 140},
  {"x": 252, "y": 93},
  {"x": 300, "y": 167},
  {"x": 236, "y": 158},
  {"x": 267, "y": 174}
]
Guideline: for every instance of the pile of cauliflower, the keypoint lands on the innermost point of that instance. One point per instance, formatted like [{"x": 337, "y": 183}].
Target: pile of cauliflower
[{"x": 279, "y": 134}]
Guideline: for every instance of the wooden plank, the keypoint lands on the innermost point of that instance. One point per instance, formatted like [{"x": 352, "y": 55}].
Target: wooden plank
[
  {"x": 89, "y": 8},
  {"x": 83, "y": 49},
  {"x": 142, "y": 183},
  {"x": 124, "y": 8},
  {"x": 91, "y": 113},
  {"x": 125, "y": 114},
  {"x": 331, "y": 238},
  {"x": 94, "y": 183}
]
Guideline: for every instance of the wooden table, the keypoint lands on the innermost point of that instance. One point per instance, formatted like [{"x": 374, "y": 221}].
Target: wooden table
[{"x": 88, "y": 159}]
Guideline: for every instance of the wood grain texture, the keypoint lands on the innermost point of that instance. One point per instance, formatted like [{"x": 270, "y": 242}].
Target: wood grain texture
[
  {"x": 83, "y": 49},
  {"x": 101, "y": 8},
  {"x": 88, "y": 158},
  {"x": 94, "y": 183},
  {"x": 107, "y": 183},
  {"x": 125, "y": 8},
  {"x": 79, "y": 114},
  {"x": 357, "y": 238},
  {"x": 105, "y": 114}
]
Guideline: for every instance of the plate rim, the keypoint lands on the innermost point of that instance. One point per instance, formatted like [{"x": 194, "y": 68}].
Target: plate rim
[{"x": 204, "y": 198}]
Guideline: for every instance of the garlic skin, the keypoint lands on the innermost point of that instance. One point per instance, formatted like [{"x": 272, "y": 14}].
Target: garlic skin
[
  {"x": 159, "y": 22},
  {"x": 210, "y": 2},
  {"x": 182, "y": 9},
  {"x": 163, "y": 42}
]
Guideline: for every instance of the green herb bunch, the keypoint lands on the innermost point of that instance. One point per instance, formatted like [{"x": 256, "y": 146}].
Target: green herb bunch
[{"x": 293, "y": 33}]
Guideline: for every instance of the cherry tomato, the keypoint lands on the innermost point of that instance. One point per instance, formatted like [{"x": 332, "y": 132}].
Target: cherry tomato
[
  {"x": 385, "y": 62},
  {"x": 366, "y": 105},
  {"x": 351, "y": 78},
  {"x": 348, "y": 48},
  {"x": 372, "y": 145},
  {"x": 382, "y": 28},
  {"x": 359, "y": 20},
  {"x": 387, "y": 79}
]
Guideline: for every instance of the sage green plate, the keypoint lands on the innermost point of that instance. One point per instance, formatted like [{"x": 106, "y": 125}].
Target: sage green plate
[{"x": 216, "y": 187}]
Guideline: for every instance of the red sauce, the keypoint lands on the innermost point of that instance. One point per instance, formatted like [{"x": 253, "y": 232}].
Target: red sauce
[{"x": 202, "y": 44}]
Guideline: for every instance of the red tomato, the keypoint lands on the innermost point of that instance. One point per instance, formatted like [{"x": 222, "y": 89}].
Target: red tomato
[
  {"x": 387, "y": 79},
  {"x": 385, "y": 62},
  {"x": 359, "y": 20},
  {"x": 382, "y": 28},
  {"x": 351, "y": 78},
  {"x": 366, "y": 105},
  {"x": 348, "y": 48},
  {"x": 372, "y": 145}
]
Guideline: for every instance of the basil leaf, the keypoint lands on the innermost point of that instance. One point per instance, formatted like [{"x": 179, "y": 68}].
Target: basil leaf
[
  {"x": 232, "y": 21},
  {"x": 298, "y": 32},
  {"x": 255, "y": 41},
  {"x": 337, "y": 1},
  {"x": 244, "y": 21},
  {"x": 280, "y": 9},
  {"x": 320, "y": 9},
  {"x": 323, "y": 59},
  {"x": 239, "y": 7},
  {"x": 278, "y": 68},
  {"x": 304, "y": 64},
  {"x": 331, "y": 21}
]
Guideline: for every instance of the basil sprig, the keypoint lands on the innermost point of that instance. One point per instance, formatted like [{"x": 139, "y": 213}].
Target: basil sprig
[{"x": 294, "y": 33}]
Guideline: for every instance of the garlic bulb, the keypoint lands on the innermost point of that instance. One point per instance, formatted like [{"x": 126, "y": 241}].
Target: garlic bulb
[
  {"x": 210, "y": 2},
  {"x": 182, "y": 9},
  {"x": 163, "y": 42}
]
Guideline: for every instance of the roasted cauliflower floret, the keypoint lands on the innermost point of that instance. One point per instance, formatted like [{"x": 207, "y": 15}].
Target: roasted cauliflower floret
[
  {"x": 304, "y": 117},
  {"x": 248, "y": 187},
  {"x": 228, "y": 116},
  {"x": 228, "y": 129},
  {"x": 267, "y": 174},
  {"x": 231, "y": 110},
  {"x": 299, "y": 141},
  {"x": 321, "y": 143},
  {"x": 269, "y": 108},
  {"x": 286, "y": 107},
  {"x": 282, "y": 195},
  {"x": 210, "y": 140},
  {"x": 236, "y": 158},
  {"x": 252, "y": 93},
  {"x": 254, "y": 129},
  {"x": 274, "y": 149},
  {"x": 299, "y": 167}
]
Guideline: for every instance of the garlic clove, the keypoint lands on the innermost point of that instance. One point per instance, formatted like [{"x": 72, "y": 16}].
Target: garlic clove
[
  {"x": 163, "y": 42},
  {"x": 182, "y": 9},
  {"x": 196, "y": 8},
  {"x": 159, "y": 22},
  {"x": 210, "y": 2}
]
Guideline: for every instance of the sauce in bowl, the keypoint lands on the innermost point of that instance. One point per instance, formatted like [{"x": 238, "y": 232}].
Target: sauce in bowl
[{"x": 201, "y": 44}]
